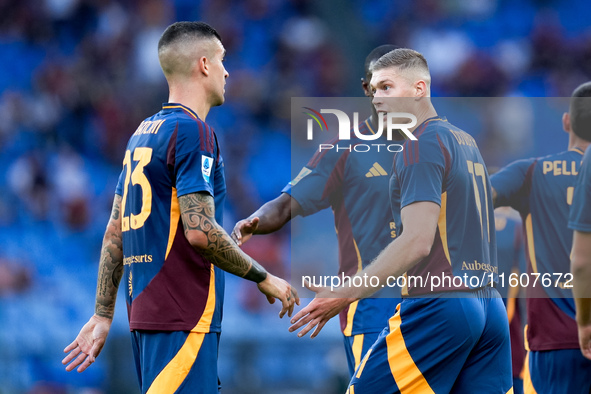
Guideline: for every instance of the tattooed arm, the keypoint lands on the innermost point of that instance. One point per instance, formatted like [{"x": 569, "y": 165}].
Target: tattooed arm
[
  {"x": 111, "y": 265},
  {"x": 211, "y": 240},
  {"x": 91, "y": 339}
]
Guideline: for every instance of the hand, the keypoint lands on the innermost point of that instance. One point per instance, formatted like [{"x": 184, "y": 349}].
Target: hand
[
  {"x": 319, "y": 311},
  {"x": 244, "y": 229},
  {"x": 88, "y": 344},
  {"x": 274, "y": 287},
  {"x": 585, "y": 340}
]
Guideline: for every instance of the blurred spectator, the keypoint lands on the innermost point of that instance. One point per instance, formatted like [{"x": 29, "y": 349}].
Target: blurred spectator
[
  {"x": 15, "y": 278},
  {"x": 28, "y": 181},
  {"x": 71, "y": 184}
]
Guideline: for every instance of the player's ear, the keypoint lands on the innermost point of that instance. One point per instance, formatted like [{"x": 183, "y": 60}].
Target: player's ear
[
  {"x": 420, "y": 88},
  {"x": 566, "y": 122},
  {"x": 366, "y": 88},
  {"x": 203, "y": 65}
]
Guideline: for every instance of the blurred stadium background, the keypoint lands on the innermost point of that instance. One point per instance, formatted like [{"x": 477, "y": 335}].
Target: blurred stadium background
[{"x": 77, "y": 76}]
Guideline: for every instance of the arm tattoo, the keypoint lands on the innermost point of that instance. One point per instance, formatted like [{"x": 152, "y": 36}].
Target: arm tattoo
[
  {"x": 111, "y": 264},
  {"x": 198, "y": 213}
]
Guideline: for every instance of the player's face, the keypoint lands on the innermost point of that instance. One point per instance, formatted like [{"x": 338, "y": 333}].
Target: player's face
[
  {"x": 218, "y": 74},
  {"x": 386, "y": 83}
]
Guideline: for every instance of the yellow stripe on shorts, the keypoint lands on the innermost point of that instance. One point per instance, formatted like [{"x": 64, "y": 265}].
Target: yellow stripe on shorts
[
  {"x": 407, "y": 375},
  {"x": 175, "y": 372}
]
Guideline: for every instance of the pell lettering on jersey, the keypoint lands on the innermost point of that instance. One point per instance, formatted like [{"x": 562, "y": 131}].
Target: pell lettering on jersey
[
  {"x": 149, "y": 127},
  {"x": 144, "y": 258},
  {"x": 305, "y": 171},
  {"x": 464, "y": 138},
  {"x": 560, "y": 167},
  {"x": 206, "y": 164}
]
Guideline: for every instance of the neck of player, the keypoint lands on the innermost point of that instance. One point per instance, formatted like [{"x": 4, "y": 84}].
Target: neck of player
[
  {"x": 191, "y": 96},
  {"x": 575, "y": 142},
  {"x": 424, "y": 111}
]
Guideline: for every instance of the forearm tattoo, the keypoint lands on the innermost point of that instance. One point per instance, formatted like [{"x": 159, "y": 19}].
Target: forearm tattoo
[
  {"x": 198, "y": 213},
  {"x": 111, "y": 264}
]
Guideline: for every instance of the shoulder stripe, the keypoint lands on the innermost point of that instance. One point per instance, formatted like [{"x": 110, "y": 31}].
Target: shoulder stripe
[
  {"x": 319, "y": 155},
  {"x": 336, "y": 176},
  {"x": 171, "y": 152},
  {"x": 405, "y": 154},
  {"x": 201, "y": 136},
  {"x": 421, "y": 129},
  {"x": 217, "y": 148},
  {"x": 212, "y": 142},
  {"x": 447, "y": 158},
  {"x": 208, "y": 138}
]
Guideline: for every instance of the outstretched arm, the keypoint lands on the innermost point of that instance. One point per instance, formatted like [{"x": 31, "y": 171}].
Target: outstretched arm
[
  {"x": 91, "y": 339},
  {"x": 414, "y": 244},
  {"x": 269, "y": 218},
  {"x": 209, "y": 238}
]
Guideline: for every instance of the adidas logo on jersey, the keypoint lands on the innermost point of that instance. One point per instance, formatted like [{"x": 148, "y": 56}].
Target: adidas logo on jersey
[{"x": 376, "y": 170}]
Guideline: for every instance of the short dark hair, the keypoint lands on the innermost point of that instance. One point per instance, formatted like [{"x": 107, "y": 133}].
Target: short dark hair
[
  {"x": 375, "y": 54},
  {"x": 580, "y": 111},
  {"x": 402, "y": 58},
  {"x": 181, "y": 30}
]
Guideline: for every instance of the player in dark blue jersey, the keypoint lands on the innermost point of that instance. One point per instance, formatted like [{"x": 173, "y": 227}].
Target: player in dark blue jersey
[
  {"x": 165, "y": 238},
  {"x": 511, "y": 260},
  {"x": 449, "y": 334},
  {"x": 541, "y": 189},
  {"x": 355, "y": 186},
  {"x": 580, "y": 219}
]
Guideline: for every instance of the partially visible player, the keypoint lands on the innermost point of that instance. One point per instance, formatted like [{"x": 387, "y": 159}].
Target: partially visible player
[
  {"x": 541, "y": 189},
  {"x": 580, "y": 220},
  {"x": 511, "y": 259},
  {"x": 445, "y": 337},
  {"x": 355, "y": 185},
  {"x": 165, "y": 236}
]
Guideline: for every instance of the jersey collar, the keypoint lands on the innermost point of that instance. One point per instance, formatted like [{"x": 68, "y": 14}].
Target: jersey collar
[{"x": 177, "y": 106}]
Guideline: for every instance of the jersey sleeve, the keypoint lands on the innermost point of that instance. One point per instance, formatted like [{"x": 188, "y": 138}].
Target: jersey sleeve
[
  {"x": 511, "y": 185},
  {"x": 316, "y": 184},
  {"x": 195, "y": 158},
  {"x": 580, "y": 210},
  {"x": 420, "y": 170},
  {"x": 119, "y": 187}
]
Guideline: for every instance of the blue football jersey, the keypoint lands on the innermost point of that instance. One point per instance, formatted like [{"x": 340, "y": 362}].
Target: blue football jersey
[
  {"x": 444, "y": 166},
  {"x": 355, "y": 185},
  {"x": 580, "y": 211},
  {"x": 170, "y": 286},
  {"x": 541, "y": 190}
]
